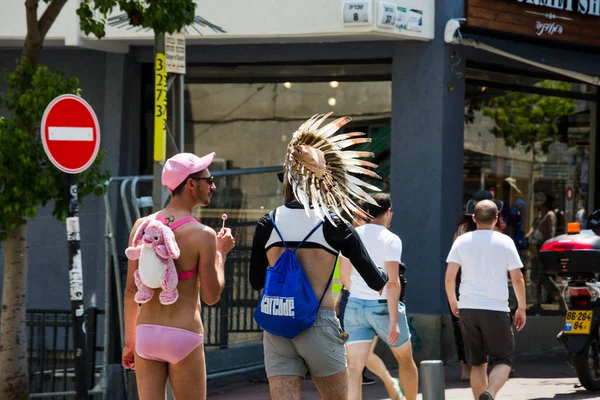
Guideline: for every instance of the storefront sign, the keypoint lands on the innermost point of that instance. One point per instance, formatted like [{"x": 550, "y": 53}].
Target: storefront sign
[
  {"x": 574, "y": 21},
  {"x": 591, "y": 7}
]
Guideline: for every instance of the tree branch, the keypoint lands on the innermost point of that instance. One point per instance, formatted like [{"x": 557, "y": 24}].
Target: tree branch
[{"x": 50, "y": 15}]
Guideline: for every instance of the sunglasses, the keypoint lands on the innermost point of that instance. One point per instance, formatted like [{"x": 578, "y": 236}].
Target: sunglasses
[
  {"x": 210, "y": 180},
  {"x": 280, "y": 176}
]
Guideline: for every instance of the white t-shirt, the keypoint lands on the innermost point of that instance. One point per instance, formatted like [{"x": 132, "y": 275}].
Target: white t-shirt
[
  {"x": 382, "y": 245},
  {"x": 485, "y": 257}
]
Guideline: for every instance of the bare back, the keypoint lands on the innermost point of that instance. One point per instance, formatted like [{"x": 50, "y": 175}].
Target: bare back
[
  {"x": 185, "y": 312},
  {"x": 320, "y": 244},
  {"x": 317, "y": 264}
]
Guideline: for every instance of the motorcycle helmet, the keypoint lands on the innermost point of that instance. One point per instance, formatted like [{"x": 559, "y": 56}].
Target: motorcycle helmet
[{"x": 594, "y": 222}]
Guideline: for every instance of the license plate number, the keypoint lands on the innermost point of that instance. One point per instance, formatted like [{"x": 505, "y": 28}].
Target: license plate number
[{"x": 578, "y": 322}]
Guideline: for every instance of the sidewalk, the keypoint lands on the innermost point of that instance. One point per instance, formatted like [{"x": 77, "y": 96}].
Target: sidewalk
[{"x": 542, "y": 378}]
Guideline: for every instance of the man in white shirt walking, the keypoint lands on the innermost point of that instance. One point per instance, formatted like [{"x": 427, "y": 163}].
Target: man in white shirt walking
[
  {"x": 370, "y": 313},
  {"x": 485, "y": 257}
]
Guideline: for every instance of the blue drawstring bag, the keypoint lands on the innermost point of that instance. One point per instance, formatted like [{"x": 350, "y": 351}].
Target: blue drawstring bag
[{"x": 288, "y": 305}]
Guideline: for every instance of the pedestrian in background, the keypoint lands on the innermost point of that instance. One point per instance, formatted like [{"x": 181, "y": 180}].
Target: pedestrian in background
[
  {"x": 374, "y": 363},
  {"x": 485, "y": 256},
  {"x": 369, "y": 313},
  {"x": 467, "y": 224}
]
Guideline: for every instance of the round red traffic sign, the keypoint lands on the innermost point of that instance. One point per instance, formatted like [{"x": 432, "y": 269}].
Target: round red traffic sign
[
  {"x": 569, "y": 193},
  {"x": 70, "y": 133}
]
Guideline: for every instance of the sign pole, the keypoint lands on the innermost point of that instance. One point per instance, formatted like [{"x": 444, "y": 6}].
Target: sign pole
[
  {"x": 181, "y": 104},
  {"x": 70, "y": 134},
  {"x": 76, "y": 290},
  {"x": 169, "y": 58},
  {"x": 160, "y": 120},
  {"x": 176, "y": 65}
]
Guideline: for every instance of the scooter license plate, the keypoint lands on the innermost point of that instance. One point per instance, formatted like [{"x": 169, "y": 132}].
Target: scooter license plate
[{"x": 578, "y": 322}]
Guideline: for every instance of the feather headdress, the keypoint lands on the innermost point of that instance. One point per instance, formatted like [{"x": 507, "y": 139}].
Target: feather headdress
[{"x": 320, "y": 172}]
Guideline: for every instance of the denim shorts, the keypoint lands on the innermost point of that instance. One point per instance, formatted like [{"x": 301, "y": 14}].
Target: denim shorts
[{"x": 365, "y": 319}]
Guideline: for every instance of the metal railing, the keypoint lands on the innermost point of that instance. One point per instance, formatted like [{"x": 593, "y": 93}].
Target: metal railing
[
  {"x": 51, "y": 360},
  {"x": 230, "y": 321}
]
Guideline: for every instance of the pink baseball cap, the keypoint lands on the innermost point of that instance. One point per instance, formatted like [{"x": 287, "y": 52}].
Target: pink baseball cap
[{"x": 181, "y": 165}]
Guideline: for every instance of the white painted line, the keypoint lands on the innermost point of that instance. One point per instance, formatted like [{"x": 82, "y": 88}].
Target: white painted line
[{"x": 67, "y": 133}]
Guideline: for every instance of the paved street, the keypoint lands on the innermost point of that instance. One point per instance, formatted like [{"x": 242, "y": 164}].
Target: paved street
[{"x": 541, "y": 378}]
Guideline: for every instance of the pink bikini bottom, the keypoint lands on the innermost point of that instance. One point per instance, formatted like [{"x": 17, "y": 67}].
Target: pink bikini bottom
[{"x": 165, "y": 343}]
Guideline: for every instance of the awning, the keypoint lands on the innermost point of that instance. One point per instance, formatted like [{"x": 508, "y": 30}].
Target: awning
[{"x": 452, "y": 35}]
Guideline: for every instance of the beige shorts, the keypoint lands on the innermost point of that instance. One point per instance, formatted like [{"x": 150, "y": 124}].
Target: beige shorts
[{"x": 319, "y": 349}]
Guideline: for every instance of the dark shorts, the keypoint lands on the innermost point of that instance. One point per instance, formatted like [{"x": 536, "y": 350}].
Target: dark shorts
[
  {"x": 343, "y": 303},
  {"x": 488, "y": 336}
]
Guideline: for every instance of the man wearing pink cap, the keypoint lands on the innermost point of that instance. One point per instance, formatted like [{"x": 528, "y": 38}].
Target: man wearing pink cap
[{"x": 164, "y": 336}]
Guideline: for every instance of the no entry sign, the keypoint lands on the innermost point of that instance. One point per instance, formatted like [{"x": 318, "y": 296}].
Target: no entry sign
[{"x": 70, "y": 133}]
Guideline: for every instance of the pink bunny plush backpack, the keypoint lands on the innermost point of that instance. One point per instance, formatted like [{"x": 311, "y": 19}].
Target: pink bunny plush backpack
[{"x": 155, "y": 247}]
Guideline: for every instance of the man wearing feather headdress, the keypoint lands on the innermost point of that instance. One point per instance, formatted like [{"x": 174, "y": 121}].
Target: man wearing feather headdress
[{"x": 318, "y": 186}]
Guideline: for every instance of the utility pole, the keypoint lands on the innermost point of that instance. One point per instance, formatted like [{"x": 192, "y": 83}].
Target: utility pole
[
  {"x": 169, "y": 71},
  {"x": 160, "y": 119}
]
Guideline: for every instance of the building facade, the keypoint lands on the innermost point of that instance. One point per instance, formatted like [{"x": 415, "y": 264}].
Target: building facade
[{"x": 511, "y": 109}]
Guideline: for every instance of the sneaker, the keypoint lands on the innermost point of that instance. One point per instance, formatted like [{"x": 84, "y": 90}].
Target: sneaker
[
  {"x": 367, "y": 380},
  {"x": 485, "y": 396}
]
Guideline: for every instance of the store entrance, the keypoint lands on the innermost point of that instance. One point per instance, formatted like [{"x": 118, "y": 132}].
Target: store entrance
[{"x": 529, "y": 139}]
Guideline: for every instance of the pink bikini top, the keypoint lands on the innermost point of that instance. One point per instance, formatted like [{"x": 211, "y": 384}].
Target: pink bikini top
[{"x": 187, "y": 274}]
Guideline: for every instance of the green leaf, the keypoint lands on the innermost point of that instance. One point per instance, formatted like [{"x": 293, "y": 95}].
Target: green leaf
[{"x": 161, "y": 16}]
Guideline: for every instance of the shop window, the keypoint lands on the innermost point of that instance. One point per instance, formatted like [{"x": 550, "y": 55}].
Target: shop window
[
  {"x": 248, "y": 113},
  {"x": 249, "y": 125},
  {"x": 527, "y": 140}
]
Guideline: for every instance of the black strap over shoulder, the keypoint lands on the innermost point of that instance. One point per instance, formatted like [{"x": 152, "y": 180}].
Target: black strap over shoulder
[{"x": 272, "y": 218}]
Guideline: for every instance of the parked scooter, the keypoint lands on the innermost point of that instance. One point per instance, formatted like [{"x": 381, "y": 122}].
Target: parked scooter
[{"x": 576, "y": 258}]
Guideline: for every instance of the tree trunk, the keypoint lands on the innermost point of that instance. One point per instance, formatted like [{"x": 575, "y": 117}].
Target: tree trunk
[
  {"x": 37, "y": 30},
  {"x": 34, "y": 39},
  {"x": 14, "y": 382}
]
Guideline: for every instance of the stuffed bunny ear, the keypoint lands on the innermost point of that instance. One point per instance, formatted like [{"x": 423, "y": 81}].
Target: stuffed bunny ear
[
  {"x": 170, "y": 242},
  {"x": 140, "y": 232}
]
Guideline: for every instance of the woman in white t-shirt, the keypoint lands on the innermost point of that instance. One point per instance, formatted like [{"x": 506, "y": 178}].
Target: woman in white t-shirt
[
  {"x": 369, "y": 313},
  {"x": 486, "y": 257}
]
